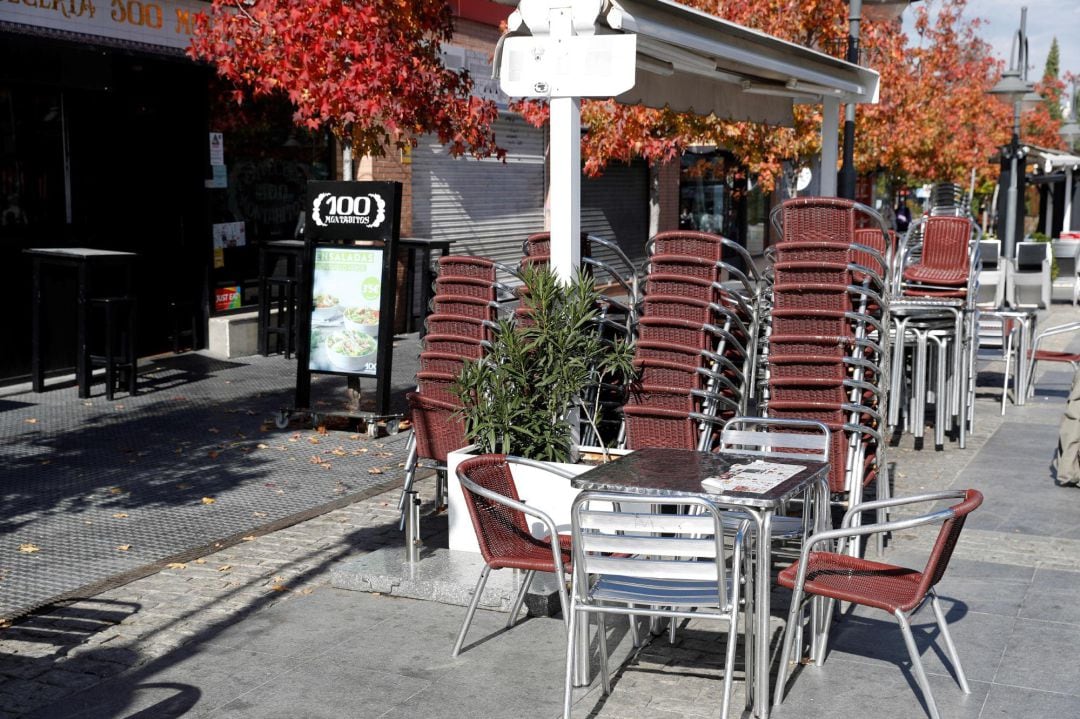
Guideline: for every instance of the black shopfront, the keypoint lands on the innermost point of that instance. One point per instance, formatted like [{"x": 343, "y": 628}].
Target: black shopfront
[{"x": 105, "y": 142}]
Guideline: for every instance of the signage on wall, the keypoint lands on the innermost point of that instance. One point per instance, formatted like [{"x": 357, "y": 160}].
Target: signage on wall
[
  {"x": 351, "y": 211},
  {"x": 227, "y": 298},
  {"x": 166, "y": 23}
]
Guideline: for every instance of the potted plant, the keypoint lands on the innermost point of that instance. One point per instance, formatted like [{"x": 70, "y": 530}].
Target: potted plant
[{"x": 526, "y": 396}]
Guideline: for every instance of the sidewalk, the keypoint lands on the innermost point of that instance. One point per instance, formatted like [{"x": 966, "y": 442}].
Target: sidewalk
[{"x": 255, "y": 630}]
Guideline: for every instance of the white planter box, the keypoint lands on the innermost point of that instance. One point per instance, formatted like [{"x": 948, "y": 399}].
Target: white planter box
[{"x": 545, "y": 491}]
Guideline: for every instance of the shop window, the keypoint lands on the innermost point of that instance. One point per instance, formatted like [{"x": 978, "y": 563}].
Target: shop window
[{"x": 257, "y": 194}]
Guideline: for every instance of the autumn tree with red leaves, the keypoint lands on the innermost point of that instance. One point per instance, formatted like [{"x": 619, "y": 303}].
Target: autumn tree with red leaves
[
  {"x": 369, "y": 70},
  {"x": 934, "y": 122}
]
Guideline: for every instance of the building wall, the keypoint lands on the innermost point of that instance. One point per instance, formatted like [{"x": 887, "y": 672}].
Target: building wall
[{"x": 666, "y": 177}]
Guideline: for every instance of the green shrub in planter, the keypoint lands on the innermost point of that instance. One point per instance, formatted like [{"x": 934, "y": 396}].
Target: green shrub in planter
[{"x": 519, "y": 399}]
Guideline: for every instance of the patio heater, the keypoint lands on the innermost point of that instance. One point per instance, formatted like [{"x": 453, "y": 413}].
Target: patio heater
[
  {"x": 1013, "y": 88},
  {"x": 1069, "y": 132},
  {"x": 878, "y": 11}
]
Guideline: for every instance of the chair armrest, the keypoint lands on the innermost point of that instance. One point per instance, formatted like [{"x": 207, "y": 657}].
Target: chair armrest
[
  {"x": 876, "y": 528},
  {"x": 900, "y": 501}
]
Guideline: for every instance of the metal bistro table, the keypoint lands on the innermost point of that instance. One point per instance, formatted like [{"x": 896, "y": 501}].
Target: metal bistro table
[
  {"x": 85, "y": 261},
  {"x": 678, "y": 473}
]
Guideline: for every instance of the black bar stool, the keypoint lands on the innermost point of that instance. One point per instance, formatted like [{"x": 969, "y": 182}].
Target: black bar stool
[
  {"x": 119, "y": 356},
  {"x": 282, "y": 293},
  {"x": 278, "y": 288},
  {"x": 184, "y": 325}
]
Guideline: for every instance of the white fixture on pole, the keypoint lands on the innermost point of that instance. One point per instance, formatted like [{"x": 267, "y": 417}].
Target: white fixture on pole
[{"x": 1069, "y": 132}]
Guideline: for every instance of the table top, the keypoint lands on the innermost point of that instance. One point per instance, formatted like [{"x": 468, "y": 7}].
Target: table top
[
  {"x": 424, "y": 242},
  {"x": 77, "y": 253},
  {"x": 679, "y": 472},
  {"x": 285, "y": 244}
]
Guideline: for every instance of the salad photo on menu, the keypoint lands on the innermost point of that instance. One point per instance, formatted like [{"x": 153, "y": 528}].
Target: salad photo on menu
[{"x": 346, "y": 295}]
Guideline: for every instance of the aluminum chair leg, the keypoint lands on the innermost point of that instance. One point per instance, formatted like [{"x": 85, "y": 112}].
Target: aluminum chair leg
[
  {"x": 941, "y": 400},
  {"x": 601, "y": 636},
  {"x": 571, "y": 645},
  {"x": 789, "y": 639},
  {"x": 410, "y": 475},
  {"x": 950, "y": 647},
  {"x": 472, "y": 609},
  {"x": 516, "y": 607},
  {"x": 916, "y": 664}
]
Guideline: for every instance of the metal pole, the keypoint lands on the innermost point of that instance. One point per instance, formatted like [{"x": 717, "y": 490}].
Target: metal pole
[
  {"x": 846, "y": 180},
  {"x": 1011, "y": 195},
  {"x": 1066, "y": 223},
  {"x": 412, "y": 526}
]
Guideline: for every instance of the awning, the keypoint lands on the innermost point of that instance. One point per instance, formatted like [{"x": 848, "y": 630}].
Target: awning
[
  {"x": 657, "y": 53},
  {"x": 692, "y": 61}
]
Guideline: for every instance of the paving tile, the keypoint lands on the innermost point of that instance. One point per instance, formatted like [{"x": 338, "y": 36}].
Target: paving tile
[
  {"x": 1006, "y": 702},
  {"x": 854, "y": 690},
  {"x": 323, "y": 690},
  {"x": 1041, "y": 655},
  {"x": 874, "y": 637},
  {"x": 188, "y": 682}
]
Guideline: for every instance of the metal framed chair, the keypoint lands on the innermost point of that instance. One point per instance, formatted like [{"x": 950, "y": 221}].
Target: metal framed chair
[
  {"x": 900, "y": 591},
  {"x": 1035, "y": 355},
  {"x": 633, "y": 558},
  {"x": 1028, "y": 284},
  {"x": 1067, "y": 255},
  {"x": 502, "y": 531}
]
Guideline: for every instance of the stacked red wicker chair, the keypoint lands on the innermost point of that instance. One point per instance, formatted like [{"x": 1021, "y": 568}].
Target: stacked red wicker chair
[
  {"x": 826, "y": 353},
  {"x": 696, "y": 336},
  {"x": 935, "y": 313},
  {"x": 613, "y": 269},
  {"x": 463, "y": 317}
]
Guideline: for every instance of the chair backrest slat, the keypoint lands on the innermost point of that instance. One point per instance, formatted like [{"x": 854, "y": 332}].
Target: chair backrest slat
[
  {"x": 621, "y": 536},
  {"x": 653, "y": 568},
  {"x": 766, "y": 440},
  {"x": 643, "y": 522}
]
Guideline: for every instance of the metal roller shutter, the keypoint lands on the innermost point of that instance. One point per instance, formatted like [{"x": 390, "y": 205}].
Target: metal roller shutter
[
  {"x": 487, "y": 207},
  {"x": 615, "y": 206}
]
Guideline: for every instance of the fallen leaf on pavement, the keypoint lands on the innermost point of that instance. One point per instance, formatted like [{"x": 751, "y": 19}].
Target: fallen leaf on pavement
[
  {"x": 29, "y": 548},
  {"x": 212, "y": 430},
  {"x": 200, "y": 560},
  {"x": 183, "y": 485},
  {"x": 176, "y": 565},
  {"x": 279, "y": 588},
  {"x": 339, "y": 452},
  {"x": 208, "y": 500},
  {"x": 123, "y": 547},
  {"x": 321, "y": 429},
  {"x": 259, "y": 514},
  {"x": 120, "y": 515},
  {"x": 224, "y": 567},
  {"x": 213, "y": 454},
  {"x": 31, "y": 420},
  {"x": 374, "y": 470},
  {"x": 249, "y": 538},
  {"x": 116, "y": 490},
  {"x": 261, "y": 445}
]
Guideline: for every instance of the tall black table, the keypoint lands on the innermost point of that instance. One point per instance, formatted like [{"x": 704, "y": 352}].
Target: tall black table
[
  {"x": 86, "y": 262},
  {"x": 425, "y": 247}
]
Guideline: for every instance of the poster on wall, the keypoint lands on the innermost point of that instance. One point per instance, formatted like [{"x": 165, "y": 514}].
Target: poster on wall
[{"x": 345, "y": 309}]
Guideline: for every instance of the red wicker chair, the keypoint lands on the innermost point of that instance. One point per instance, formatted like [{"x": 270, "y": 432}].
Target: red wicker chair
[
  {"x": 502, "y": 531},
  {"x": 459, "y": 326},
  {"x": 464, "y": 306},
  {"x": 466, "y": 267},
  {"x": 945, "y": 266},
  {"x": 894, "y": 589}
]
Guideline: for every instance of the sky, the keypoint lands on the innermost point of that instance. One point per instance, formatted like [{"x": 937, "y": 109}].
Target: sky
[{"x": 1046, "y": 19}]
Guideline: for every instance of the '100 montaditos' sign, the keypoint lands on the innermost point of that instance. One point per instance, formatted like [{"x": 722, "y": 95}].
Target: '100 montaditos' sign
[{"x": 167, "y": 23}]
